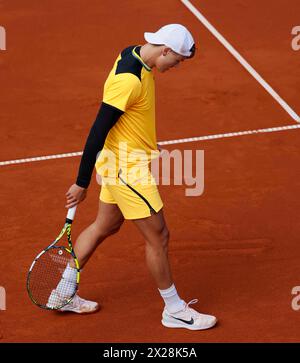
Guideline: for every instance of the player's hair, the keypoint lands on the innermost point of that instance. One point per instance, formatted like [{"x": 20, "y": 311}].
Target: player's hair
[{"x": 193, "y": 51}]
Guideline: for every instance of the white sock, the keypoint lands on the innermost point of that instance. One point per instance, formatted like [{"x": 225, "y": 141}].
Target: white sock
[
  {"x": 67, "y": 284},
  {"x": 172, "y": 300}
]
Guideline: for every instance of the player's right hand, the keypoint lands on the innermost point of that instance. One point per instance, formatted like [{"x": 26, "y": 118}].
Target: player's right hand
[{"x": 75, "y": 195}]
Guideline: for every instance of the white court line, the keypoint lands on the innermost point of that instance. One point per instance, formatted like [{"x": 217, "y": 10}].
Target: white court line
[
  {"x": 160, "y": 143},
  {"x": 241, "y": 60}
]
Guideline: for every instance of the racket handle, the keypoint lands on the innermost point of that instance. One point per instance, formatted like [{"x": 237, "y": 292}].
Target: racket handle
[{"x": 71, "y": 213}]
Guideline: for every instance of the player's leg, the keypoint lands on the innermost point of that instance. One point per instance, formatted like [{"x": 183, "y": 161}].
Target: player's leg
[
  {"x": 108, "y": 221},
  {"x": 156, "y": 235},
  {"x": 177, "y": 313}
]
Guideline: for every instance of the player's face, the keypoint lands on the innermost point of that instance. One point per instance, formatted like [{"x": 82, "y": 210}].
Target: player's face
[{"x": 168, "y": 59}]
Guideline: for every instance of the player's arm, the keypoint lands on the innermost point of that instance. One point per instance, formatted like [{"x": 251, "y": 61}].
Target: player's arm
[{"x": 105, "y": 120}]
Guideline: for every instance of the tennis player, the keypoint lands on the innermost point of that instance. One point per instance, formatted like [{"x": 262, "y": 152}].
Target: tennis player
[{"x": 125, "y": 127}]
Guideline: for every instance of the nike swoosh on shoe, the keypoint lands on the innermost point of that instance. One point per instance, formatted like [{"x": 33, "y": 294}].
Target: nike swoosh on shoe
[{"x": 190, "y": 322}]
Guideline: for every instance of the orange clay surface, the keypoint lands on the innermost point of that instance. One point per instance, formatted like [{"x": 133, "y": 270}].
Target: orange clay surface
[{"x": 236, "y": 247}]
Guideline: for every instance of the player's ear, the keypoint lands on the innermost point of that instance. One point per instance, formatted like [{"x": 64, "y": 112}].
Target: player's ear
[{"x": 166, "y": 50}]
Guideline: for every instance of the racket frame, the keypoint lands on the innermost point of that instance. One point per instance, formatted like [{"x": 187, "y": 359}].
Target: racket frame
[{"x": 66, "y": 229}]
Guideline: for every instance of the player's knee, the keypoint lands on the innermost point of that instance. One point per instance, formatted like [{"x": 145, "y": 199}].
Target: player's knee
[
  {"x": 104, "y": 231},
  {"x": 114, "y": 229}
]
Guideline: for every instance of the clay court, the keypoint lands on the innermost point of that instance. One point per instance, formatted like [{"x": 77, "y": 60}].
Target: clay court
[{"x": 235, "y": 248}]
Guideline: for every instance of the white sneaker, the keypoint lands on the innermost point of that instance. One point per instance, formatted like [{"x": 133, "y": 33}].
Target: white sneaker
[
  {"x": 188, "y": 318},
  {"x": 81, "y": 306},
  {"x": 76, "y": 305}
]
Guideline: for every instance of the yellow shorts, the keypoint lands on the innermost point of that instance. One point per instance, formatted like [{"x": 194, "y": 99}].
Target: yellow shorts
[{"x": 135, "y": 200}]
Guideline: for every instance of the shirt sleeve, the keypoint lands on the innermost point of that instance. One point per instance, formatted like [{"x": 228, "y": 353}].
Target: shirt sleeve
[
  {"x": 105, "y": 120},
  {"x": 123, "y": 91}
]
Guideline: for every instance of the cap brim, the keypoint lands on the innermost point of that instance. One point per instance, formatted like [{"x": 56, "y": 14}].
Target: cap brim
[{"x": 152, "y": 38}]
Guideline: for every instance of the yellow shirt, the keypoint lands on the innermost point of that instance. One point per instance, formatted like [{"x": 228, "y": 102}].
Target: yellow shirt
[{"x": 132, "y": 140}]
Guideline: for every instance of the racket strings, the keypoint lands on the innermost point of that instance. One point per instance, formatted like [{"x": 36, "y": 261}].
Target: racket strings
[{"x": 52, "y": 281}]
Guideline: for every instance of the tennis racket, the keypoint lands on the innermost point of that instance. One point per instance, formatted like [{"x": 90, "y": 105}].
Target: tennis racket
[{"x": 53, "y": 277}]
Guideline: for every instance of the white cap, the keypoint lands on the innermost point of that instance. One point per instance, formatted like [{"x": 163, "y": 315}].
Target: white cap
[{"x": 174, "y": 36}]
